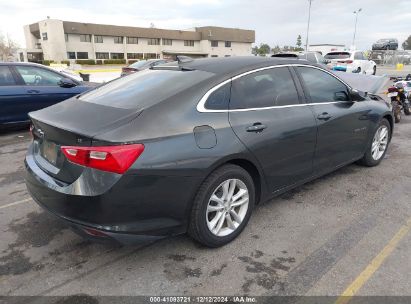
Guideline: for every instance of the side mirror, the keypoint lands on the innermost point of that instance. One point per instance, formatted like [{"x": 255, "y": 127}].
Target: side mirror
[
  {"x": 357, "y": 95},
  {"x": 66, "y": 83}
]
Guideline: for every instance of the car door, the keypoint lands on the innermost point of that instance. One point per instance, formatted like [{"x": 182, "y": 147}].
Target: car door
[
  {"x": 342, "y": 123},
  {"x": 266, "y": 115},
  {"x": 41, "y": 87},
  {"x": 10, "y": 97}
]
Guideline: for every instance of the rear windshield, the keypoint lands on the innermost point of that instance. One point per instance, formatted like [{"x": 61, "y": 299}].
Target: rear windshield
[
  {"x": 337, "y": 55},
  {"x": 139, "y": 64},
  {"x": 144, "y": 89}
]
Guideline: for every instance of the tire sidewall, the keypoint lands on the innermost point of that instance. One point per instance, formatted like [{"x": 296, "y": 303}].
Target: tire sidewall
[{"x": 237, "y": 173}]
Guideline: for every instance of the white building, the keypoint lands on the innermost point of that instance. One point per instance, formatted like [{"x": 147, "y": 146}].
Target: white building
[{"x": 58, "y": 40}]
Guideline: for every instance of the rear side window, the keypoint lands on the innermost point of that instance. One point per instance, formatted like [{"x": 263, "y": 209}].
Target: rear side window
[
  {"x": 267, "y": 88},
  {"x": 359, "y": 56},
  {"x": 144, "y": 89},
  {"x": 6, "y": 77},
  {"x": 322, "y": 87},
  {"x": 219, "y": 99}
]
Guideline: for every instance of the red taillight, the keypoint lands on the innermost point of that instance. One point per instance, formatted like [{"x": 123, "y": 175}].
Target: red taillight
[
  {"x": 115, "y": 159},
  {"x": 392, "y": 89}
]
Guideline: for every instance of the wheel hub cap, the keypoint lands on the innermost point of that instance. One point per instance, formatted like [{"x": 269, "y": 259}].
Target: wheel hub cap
[
  {"x": 380, "y": 142},
  {"x": 227, "y": 207}
]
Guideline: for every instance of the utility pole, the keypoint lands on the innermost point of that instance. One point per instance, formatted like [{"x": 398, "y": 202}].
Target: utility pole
[
  {"x": 308, "y": 25},
  {"x": 355, "y": 26}
]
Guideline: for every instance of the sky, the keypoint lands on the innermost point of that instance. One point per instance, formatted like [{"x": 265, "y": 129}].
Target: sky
[{"x": 274, "y": 21}]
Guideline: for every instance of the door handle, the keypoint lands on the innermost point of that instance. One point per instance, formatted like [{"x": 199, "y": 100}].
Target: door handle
[
  {"x": 324, "y": 116},
  {"x": 256, "y": 127},
  {"x": 33, "y": 91}
]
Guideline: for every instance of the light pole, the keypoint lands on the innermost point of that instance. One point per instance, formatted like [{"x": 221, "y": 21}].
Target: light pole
[
  {"x": 308, "y": 25},
  {"x": 355, "y": 27}
]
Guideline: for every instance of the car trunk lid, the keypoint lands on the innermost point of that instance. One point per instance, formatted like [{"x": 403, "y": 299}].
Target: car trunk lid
[{"x": 71, "y": 123}]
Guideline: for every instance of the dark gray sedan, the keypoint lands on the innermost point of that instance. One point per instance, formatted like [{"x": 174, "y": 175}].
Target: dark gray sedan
[{"x": 194, "y": 147}]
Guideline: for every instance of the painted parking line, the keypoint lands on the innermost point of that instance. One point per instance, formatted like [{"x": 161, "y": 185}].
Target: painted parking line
[
  {"x": 364, "y": 276},
  {"x": 16, "y": 203}
]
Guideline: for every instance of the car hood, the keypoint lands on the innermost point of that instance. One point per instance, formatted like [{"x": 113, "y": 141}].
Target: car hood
[{"x": 366, "y": 83}]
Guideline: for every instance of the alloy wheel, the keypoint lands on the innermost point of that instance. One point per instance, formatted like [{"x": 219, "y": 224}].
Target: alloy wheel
[
  {"x": 380, "y": 142},
  {"x": 227, "y": 207}
]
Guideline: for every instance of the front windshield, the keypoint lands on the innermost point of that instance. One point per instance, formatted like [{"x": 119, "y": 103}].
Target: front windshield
[{"x": 383, "y": 40}]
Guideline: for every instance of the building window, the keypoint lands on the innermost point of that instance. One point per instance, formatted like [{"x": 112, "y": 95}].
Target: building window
[
  {"x": 82, "y": 55},
  {"x": 167, "y": 42},
  {"x": 214, "y": 43},
  {"x": 100, "y": 55},
  {"x": 98, "y": 39},
  {"x": 117, "y": 55},
  {"x": 227, "y": 55},
  {"x": 85, "y": 38},
  {"x": 228, "y": 44},
  {"x": 150, "y": 56},
  {"x": 66, "y": 37},
  {"x": 214, "y": 55},
  {"x": 132, "y": 40},
  {"x": 188, "y": 42},
  {"x": 44, "y": 35},
  {"x": 134, "y": 55},
  {"x": 71, "y": 55},
  {"x": 118, "y": 39},
  {"x": 153, "y": 41}
]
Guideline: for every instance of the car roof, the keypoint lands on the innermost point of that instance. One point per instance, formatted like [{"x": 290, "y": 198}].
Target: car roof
[{"x": 225, "y": 66}]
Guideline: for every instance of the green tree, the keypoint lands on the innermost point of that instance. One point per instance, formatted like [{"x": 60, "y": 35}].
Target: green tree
[
  {"x": 261, "y": 50},
  {"x": 276, "y": 49},
  {"x": 298, "y": 41},
  {"x": 406, "y": 45}
]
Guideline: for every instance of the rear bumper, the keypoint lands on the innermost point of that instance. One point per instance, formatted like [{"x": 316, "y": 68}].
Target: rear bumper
[{"x": 128, "y": 208}]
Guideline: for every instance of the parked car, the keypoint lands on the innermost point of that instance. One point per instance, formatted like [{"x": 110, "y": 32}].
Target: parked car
[
  {"x": 313, "y": 57},
  {"x": 26, "y": 87},
  {"x": 141, "y": 65},
  {"x": 67, "y": 72},
  {"x": 386, "y": 44},
  {"x": 351, "y": 62},
  {"x": 193, "y": 147}
]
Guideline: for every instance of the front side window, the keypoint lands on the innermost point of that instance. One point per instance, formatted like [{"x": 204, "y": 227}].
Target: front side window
[
  {"x": 35, "y": 76},
  {"x": 267, "y": 88},
  {"x": 118, "y": 39},
  {"x": 71, "y": 55},
  {"x": 98, "y": 39},
  {"x": 322, "y": 87},
  {"x": 219, "y": 99},
  {"x": 6, "y": 77},
  {"x": 153, "y": 41},
  {"x": 82, "y": 55},
  {"x": 85, "y": 38},
  {"x": 188, "y": 42}
]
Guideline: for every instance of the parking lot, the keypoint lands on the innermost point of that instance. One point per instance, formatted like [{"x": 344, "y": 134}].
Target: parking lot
[{"x": 315, "y": 240}]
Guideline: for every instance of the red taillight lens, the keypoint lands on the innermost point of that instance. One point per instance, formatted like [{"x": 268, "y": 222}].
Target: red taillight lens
[
  {"x": 117, "y": 159},
  {"x": 392, "y": 89}
]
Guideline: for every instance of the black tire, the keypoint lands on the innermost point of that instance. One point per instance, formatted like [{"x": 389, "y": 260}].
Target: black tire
[
  {"x": 406, "y": 108},
  {"x": 374, "y": 70},
  {"x": 198, "y": 228},
  {"x": 367, "y": 159},
  {"x": 396, "y": 111}
]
